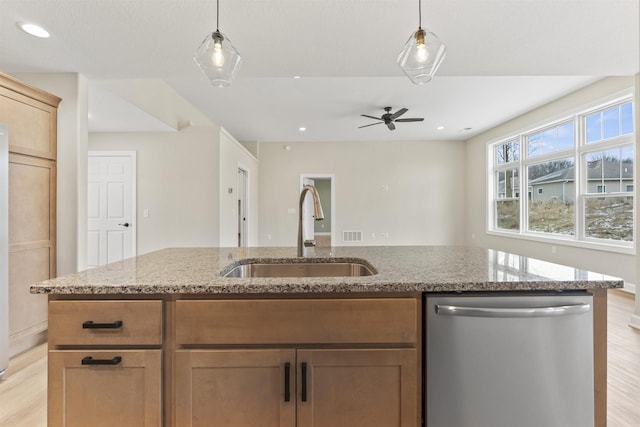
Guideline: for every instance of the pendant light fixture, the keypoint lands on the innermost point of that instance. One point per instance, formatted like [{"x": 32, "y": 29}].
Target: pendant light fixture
[
  {"x": 216, "y": 56},
  {"x": 422, "y": 54}
]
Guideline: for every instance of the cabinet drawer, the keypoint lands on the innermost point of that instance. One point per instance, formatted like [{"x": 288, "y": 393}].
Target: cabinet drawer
[
  {"x": 105, "y": 388},
  {"x": 297, "y": 321},
  {"x": 105, "y": 323}
]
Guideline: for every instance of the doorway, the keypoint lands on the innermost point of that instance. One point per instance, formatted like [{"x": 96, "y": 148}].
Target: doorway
[
  {"x": 320, "y": 231},
  {"x": 111, "y": 207},
  {"x": 243, "y": 190}
]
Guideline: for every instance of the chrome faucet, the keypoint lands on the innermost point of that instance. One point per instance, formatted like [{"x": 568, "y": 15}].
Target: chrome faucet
[{"x": 317, "y": 213}]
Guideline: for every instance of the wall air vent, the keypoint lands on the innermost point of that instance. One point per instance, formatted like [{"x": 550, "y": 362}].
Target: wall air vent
[{"x": 352, "y": 236}]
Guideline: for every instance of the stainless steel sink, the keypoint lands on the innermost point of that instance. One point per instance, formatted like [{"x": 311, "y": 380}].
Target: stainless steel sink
[{"x": 301, "y": 269}]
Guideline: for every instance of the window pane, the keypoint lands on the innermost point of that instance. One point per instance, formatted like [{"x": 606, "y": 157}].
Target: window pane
[
  {"x": 508, "y": 214},
  {"x": 508, "y": 184},
  {"x": 550, "y": 140},
  {"x": 508, "y": 152},
  {"x": 611, "y": 122},
  {"x": 609, "y": 218},
  {"x": 610, "y": 171},
  {"x": 594, "y": 127},
  {"x": 626, "y": 118},
  {"x": 551, "y": 195}
]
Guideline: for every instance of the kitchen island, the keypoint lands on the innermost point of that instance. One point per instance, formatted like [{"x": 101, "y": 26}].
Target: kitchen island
[{"x": 166, "y": 339}]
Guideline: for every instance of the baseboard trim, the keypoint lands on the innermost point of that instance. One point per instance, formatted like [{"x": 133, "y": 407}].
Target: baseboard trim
[
  {"x": 629, "y": 287},
  {"x": 635, "y": 321}
]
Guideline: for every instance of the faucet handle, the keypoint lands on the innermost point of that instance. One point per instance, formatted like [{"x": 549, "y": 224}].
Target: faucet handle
[{"x": 308, "y": 243}]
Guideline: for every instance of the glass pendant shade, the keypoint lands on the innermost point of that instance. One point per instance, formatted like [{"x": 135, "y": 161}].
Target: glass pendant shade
[
  {"x": 218, "y": 59},
  {"x": 421, "y": 56}
]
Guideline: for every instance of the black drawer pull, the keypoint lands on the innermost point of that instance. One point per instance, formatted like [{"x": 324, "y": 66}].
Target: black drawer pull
[
  {"x": 91, "y": 361},
  {"x": 303, "y": 396},
  {"x": 287, "y": 378},
  {"x": 90, "y": 325}
]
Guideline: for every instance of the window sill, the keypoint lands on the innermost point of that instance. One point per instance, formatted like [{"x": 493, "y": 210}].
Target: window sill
[{"x": 626, "y": 250}]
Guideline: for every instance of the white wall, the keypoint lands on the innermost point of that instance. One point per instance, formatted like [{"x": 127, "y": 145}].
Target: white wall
[
  {"x": 232, "y": 156},
  {"x": 71, "y": 164},
  {"x": 424, "y": 203},
  {"x": 177, "y": 180},
  {"x": 606, "y": 262},
  {"x": 157, "y": 98}
]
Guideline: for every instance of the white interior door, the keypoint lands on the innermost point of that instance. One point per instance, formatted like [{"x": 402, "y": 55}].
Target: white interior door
[
  {"x": 307, "y": 213},
  {"x": 111, "y": 207},
  {"x": 243, "y": 188}
]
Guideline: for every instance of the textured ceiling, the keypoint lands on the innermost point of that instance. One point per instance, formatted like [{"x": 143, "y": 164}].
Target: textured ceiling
[{"x": 504, "y": 57}]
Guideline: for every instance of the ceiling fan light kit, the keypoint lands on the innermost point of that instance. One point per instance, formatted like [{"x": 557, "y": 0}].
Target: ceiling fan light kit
[
  {"x": 422, "y": 53},
  {"x": 216, "y": 56}
]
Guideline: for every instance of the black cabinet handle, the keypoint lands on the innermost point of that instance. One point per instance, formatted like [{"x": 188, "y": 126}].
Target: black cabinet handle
[
  {"x": 287, "y": 380},
  {"x": 90, "y": 325},
  {"x": 303, "y": 367},
  {"x": 91, "y": 361}
]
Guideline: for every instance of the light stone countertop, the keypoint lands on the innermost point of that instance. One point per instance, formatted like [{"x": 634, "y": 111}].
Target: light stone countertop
[{"x": 399, "y": 269}]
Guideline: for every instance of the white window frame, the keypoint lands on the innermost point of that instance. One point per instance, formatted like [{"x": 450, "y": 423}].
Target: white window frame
[{"x": 579, "y": 152}]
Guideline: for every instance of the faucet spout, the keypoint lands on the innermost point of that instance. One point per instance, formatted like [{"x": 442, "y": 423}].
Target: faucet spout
[{"x": 317, "y": 213}]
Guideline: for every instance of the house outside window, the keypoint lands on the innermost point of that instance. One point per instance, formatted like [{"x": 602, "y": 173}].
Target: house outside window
[{"x": 579, "y": 172}]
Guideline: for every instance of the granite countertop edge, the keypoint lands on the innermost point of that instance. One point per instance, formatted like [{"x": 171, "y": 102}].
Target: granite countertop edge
[{"x": 437, "y": 269}]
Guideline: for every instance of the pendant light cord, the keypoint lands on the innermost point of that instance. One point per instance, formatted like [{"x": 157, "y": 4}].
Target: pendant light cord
[
  {"x": 420, "y": 14},
  {"x": 217, "y": 15}
]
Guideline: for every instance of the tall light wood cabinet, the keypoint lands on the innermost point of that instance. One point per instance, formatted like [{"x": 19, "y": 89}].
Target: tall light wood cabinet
[{"x": 31, "y": 117}]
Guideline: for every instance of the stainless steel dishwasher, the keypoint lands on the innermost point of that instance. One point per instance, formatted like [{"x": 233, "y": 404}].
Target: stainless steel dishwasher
[{"x": 509, "y": 361}]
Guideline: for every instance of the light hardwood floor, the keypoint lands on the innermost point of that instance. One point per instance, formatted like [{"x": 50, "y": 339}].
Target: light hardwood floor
[{"x": 24, "y": 388}]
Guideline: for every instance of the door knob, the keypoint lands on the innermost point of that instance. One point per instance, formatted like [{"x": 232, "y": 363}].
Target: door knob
[{"x": 126, "y": 224}]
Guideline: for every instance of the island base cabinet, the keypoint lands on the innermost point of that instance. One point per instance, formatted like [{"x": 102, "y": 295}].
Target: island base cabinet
[
  {"x": 303, "y": 388},
  {"x": 357, "y": 388},
  {"x": 105, "y": 388},
  {"x": 234, "y": 388}
]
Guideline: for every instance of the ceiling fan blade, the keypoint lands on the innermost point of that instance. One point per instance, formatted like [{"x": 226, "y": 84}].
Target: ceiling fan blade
[
  {"x": 398, "y": 113},
  {"x": 391, "y": 126},
  {"x": 372, "y": 124},
  {"x": 371, "y": 117},
  {"x": 415, "y": 119}
]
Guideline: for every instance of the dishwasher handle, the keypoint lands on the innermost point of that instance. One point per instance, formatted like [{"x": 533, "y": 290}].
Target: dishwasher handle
[{"x": 518, "y": 312}]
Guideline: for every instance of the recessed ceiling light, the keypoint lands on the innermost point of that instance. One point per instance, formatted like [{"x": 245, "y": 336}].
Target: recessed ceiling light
[
  {"x": 297, "y": 77},
  {"x": 302, "y": 129},
  {"x": 34, "y": 30},
  {"x": 440, "y": 128}
]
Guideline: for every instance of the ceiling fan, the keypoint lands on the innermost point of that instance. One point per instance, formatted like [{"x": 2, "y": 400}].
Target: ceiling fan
[{"x": 388, "y": 118}]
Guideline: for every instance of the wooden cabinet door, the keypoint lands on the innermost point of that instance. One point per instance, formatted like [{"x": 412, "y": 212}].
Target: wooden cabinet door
[
  {"x": 127, "y": 393},
  {"x": 234, "y": 388},
  {"x": 32, "y": 123},
  {"x": 32, "y": 245},
  {"x": 358, "y": 388}
]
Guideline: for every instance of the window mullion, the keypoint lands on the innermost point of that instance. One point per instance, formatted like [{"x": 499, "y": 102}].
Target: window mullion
[
  {"x": 524, "y": 186},
  {"x": 580, "y": 176}
]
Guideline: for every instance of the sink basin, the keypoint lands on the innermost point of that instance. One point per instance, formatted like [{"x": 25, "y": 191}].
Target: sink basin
[{"x": 301, "y": 269}]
